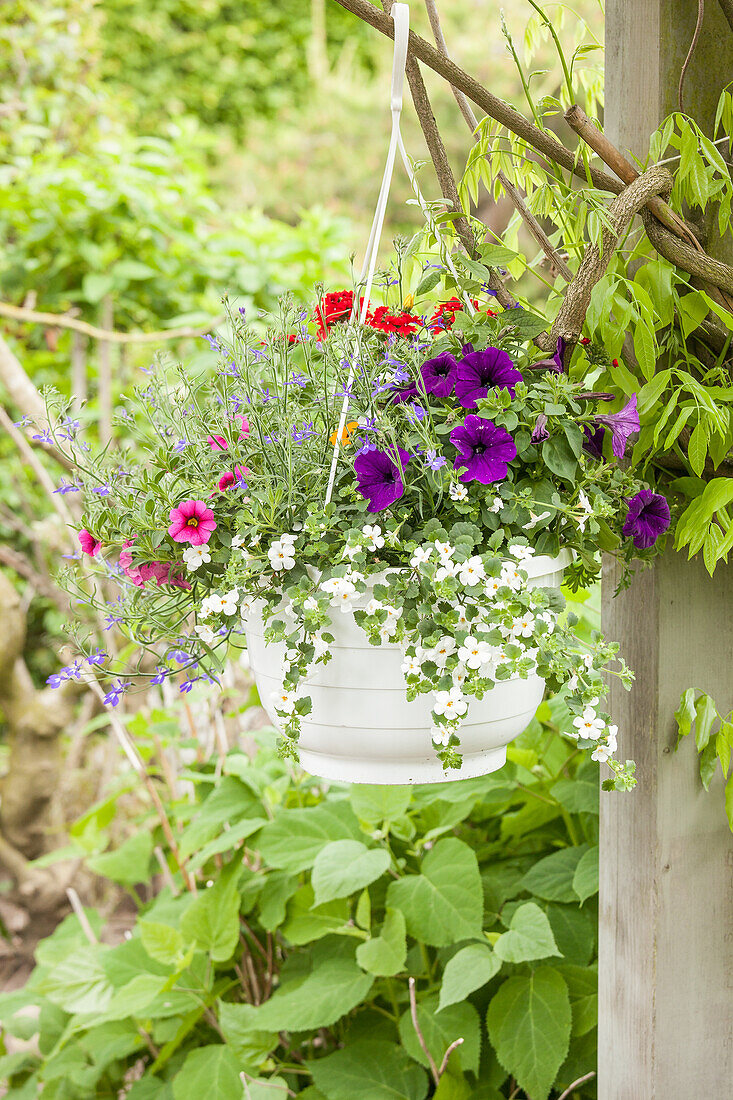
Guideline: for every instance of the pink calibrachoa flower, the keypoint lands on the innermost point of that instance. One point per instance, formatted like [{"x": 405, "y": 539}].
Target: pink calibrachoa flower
[
  {"x": 228, "y": 478},
  {"x": 217, "y": 442},
  {"x": 244, "y": 431},
  {"x": 192, "y": 522},
  {"x": 89, "y": 544},
  {"x": 158, "y": 571}
]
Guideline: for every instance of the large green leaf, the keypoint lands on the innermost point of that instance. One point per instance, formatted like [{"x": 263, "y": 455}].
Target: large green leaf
[
  {"x": 251, "y": 1046},
  {"x": 333, "y": 988},
  {"x": 209, "y": 1071},
  {"x": 529, "y": 936},
  {"x": 345, "y": 866},
  {"x": 443, "y": 904},
  {"x": 385, "y": 954},
  {"x": 212, "y": 920},
  {"x": 127, "y": 864},
  {"x": 440, "y": 1029},
  {"x": 79, "y": 983},
  {"x": 574, "y": 930},
  {"x": 469, "y": 969},
  {"x": 293, "y": 840},
  {"x": 369, "y": 1070},
  {"x": 273, "y": 899},
  {"x": 529, "y": 1027},
  {"x": 229, "y": 802},
  {"x": 552, "y": 877},
  {"x": 161, "y": 941}
]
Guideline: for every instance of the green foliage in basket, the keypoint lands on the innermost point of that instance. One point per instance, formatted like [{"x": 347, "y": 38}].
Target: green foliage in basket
[
  {"x": 471, "y": 461},
  {"x": 288, "y": 972}
]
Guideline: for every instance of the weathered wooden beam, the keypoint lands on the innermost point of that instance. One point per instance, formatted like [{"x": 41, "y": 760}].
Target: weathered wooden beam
[{"x": 666, "y": 898}]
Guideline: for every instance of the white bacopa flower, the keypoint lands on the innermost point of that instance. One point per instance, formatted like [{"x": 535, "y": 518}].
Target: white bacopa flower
[
  {"x": 194, "y": 556},
  {"x": 387, "y": 632},
  {"x": 411, "y": 666},
  {"x": 442, "y": 651},
  {"x": 393, "y": 613},
  {"x": 588, "y": 660},
  {"x": 205, "y": 633},
  {"x": 458, "y": 492},
  {"x": 331, "y": 585},
  {"x": 474, "y": 653},
  {"x": 343, "y": 594},
  {"x": 373, "y": 607},
  {"x": 472, "y": 571},
  {"x": 246, "y": 606},
  {"x": 523, "y": 625},
  {"x": 281, "y": 556},
  {"x": 447, "y": 569},
  {"x": 320, "y": 645},
  {"x": 238, "y": 541},
  {"x": 496, "y": 505},
  {"x": 445, "y": 550},
  {"x": 374, "y": 536},
  {"x": 229, "y": 602},
  {"x": 521, "y": 553},
  {"x": 310, "y": 604},
  {"x": 603, "y": 753},
  {"x": 288, "y": 539},
  {"x": 220, "y": 603},
  {"x": 492, "y": 586},
  {"x": 284, "y": 701},
  {"x": 461, "y": 617},
  {"x": 440, "y": 735},
  {"x": 511, "y": 576},
  {"x": 459, "y": 675},
  {"x": 450, "y": 703},
  {"x": 572, "y": 683},
  {"x": 420, "y": 555},
  {"x": 589, "y": 725},
  {"x": 611, "y": 738},
  {"x": 534, "y": 520},
  {"x": 351, "y": 550}
]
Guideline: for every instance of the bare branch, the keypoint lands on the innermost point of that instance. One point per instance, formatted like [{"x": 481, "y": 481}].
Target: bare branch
[
  {"x": 418, "y": 1032},
  {"x": 446, "y": 1056},
  {"x": 62, "y": 320},
  {"x": 580, "y": 1081},
  {"x": 544, "y": 142},
  {"x": 569, "y": 321}
]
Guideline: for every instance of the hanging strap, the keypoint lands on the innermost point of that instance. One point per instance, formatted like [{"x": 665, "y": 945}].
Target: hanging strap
[{"x": 401, "y": 16}]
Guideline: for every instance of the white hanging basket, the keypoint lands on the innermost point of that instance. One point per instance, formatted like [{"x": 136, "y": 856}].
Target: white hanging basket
[{"x": 362, "y": 729}]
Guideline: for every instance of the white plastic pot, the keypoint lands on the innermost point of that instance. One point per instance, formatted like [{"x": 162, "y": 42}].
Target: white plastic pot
[{"x": 362, "y": 729}]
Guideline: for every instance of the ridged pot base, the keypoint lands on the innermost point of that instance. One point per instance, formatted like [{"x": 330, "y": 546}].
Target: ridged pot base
[{"x": 362, "y": 729}]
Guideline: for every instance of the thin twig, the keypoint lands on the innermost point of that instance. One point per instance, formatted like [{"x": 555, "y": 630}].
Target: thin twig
[
  {"x": 580, "y": 1081},
  {"x": 512, "y": 193},
  {"x": 63, "y": 320},
  {"x": 165, "y": 870},
  {"x": 446, "y": 1056},
  {"x": 418, "y": 1032},
  {"x": 76, "y": 905},
  {"x": 690, "y": 52}
]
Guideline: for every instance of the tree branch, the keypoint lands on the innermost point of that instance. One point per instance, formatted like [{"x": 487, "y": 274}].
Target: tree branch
[
  {"x": 496, "y": 108},
  {"x": 62, "y": 320},
  {"x": 569, "y": 321},
  {"x": 580, "y": 1081},
  {"x": 418, "y": 1032}
]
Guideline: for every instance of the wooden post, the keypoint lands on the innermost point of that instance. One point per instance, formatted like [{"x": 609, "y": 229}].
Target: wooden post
[{"x": 666, "y": 899}]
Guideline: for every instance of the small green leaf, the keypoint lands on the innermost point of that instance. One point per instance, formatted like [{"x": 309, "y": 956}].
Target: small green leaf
[
  {"x": 529, "y": 1022},
  {"x": 345, "y": 866},
  {"x": 212, "y": 919},
  {"x": 209, "y": 1071},
  {"x": 469, "y": 969},
  {"x": 705, "y": 714},
  {"x": 161, "y": 941},
  {"x": 585, "y": 879},
  {"x": 529, "y": 936},
  {"x": 385, "y": 954},
  {"x": 685, "y": 713},
  {"x": 443, "y": 904}
]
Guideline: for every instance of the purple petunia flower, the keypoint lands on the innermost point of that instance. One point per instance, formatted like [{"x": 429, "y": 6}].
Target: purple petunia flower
[
  {"x": 479, "y": 371},
  {"x": 483, "y": 448},
  {"x": 647, "y": 518},
  {"x": 379, "y": 477},
  {"x": 540, "y": 432},
  {"x": 623, "y": 424},
  {"x": 439, "y": 374},
  {"x": 593, "y": 442},
  {"x": 407, "y": 392},
  {"x": 556, "y": 364}
]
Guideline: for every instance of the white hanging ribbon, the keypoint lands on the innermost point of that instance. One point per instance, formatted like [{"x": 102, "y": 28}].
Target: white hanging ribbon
[{"x": 401, "y": 16}]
